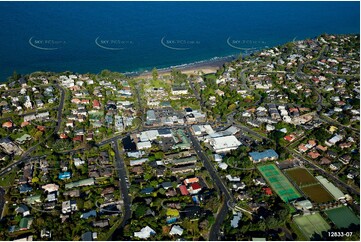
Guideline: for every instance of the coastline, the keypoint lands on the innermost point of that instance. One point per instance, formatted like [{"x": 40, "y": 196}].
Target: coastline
[{"x": 205, "y": 66}]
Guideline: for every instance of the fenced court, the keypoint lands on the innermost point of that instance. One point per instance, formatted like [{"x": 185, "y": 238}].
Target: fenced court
[
  {"x": 311, "y": 224},
  {"x": 342, "y": 217},
  {"x": 309, "y": 185},
  {"x": 301, "y": 176},
  {"x": 278, "y": 182},
  {"x": 317, "y": 193}
]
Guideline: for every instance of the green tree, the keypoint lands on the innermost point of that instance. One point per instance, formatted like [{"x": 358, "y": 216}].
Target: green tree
[
  {"x": 155, "y": 74},
  {"x": 159, "y": 155},
  {"x": 140, "y": 210}
]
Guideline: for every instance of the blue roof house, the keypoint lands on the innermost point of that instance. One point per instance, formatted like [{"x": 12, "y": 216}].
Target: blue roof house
[
  {"x": 91, "y": 213},
  {"x": 25, "y": 188},
  {"x": 269, "y": 154},
  {"x": 64, "y": 175},
  {"x": 147, "y": 190}
]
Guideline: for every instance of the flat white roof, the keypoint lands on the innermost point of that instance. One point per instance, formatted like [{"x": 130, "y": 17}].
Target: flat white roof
[
  {"x": 225, "y": 142},
  {"x": 143, "y": 145},
  {"x": 336, "y": 192},
  {"x": 148, "y": 135},
  {"x": 203, "y": 128}
]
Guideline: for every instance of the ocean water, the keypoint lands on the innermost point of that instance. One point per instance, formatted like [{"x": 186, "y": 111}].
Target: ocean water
[{"x": 137, "y": 36}]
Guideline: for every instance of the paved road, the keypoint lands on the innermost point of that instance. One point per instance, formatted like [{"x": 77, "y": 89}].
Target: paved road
[
  {"x": 2, "y": 202},
  {"x": 196, "y": 93},
  {"x": 243, "y": 79},
  {"x": 123, "y": 186},
  {"x": 60, "y": 108},
  {"x": 24, "y": 160},
  {"x": 213, "y": 234}
]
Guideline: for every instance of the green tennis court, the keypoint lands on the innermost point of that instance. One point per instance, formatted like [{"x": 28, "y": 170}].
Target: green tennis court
[
  {"x": 342, "y": 217},
  {"x": 312, "y": 224},
  {"x": 279, "y": 182}
]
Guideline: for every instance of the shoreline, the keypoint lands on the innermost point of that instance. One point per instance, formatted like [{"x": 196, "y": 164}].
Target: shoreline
[{"x": 205, "y": 66}]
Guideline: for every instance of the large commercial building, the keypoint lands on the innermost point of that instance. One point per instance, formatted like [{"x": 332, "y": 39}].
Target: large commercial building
[{"x": 224, "y": 143}]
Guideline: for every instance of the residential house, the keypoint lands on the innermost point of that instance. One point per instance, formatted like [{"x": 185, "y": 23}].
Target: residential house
[
  {"x": 313, "y": 154},
  {"x": 50, "y": 187},
  {"x": 269, "y": 154},
  {"x": 345, "y": 159},
  {"x": 101, "y": 223},
  {"x": 78, "y": 162},
  {"x": 91, "y": 213},
  {"x": 25, "y": 223},
  {"x": 23, "y": 210},
  {"x": 183, "y": 190},
  {"x": 69, "y": 206},
  {"x": 176, "y": 230},
  {"x": 144, "y": 233},
  {"x": 195, "y": 188}
]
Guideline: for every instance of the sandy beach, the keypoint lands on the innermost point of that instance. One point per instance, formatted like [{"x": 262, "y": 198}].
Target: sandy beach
[{"x": 205, "y": 67}]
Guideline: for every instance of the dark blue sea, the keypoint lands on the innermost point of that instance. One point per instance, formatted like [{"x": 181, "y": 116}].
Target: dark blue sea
[{"x": 136, "y": 36}]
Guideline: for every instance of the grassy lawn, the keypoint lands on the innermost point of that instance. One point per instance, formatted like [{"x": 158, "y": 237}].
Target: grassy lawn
[
  {"x": 297, "y": 231},
  {"x": 182, "y": 103},
  {"x": 157, "y": 83},
  {"x": 8, "y": 180}
]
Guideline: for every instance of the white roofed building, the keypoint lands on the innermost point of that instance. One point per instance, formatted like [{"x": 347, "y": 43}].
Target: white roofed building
[
  {"x": 144, "y": 145},
  {"x": 224, "y": 143},
  {"x": 144, "y": 233}
]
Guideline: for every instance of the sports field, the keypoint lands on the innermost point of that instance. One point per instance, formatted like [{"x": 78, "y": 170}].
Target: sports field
[
  {"x": 342, "y": 217},
  {"x": 309, "y": 185},
  {"x": 311, "y": 224},
  {"x": 301, "y": 176},
  {"x": 317, "y": 193},
  {"x": 279, "y": 182}
]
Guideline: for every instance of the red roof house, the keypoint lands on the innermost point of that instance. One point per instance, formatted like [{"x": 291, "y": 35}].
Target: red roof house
[
  {"x": 75, "y": 100},
  {"x": 289, "y": 138},
  {"x": 85, "y": 101},
  {"x": 313, "y": 154},
  {"x": 183, "y": 190},
  {"x": 267, "y": 191},
  {"x": 302, "y": 148},
  {"x": 96, "y": 104},
  {"x": 63, "y": 136},
  {"x": 322, "y": 148},
  {"x": 195, "y": 188},
  {"x": 312, "y": 142},
  {"x": 41, "y": 128},
  {"x": 23, "y": 124},
  {"x": 8, "y": 124},
  {"x": 78, "y": 138},
  {"x": 190, "y": 180}
]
